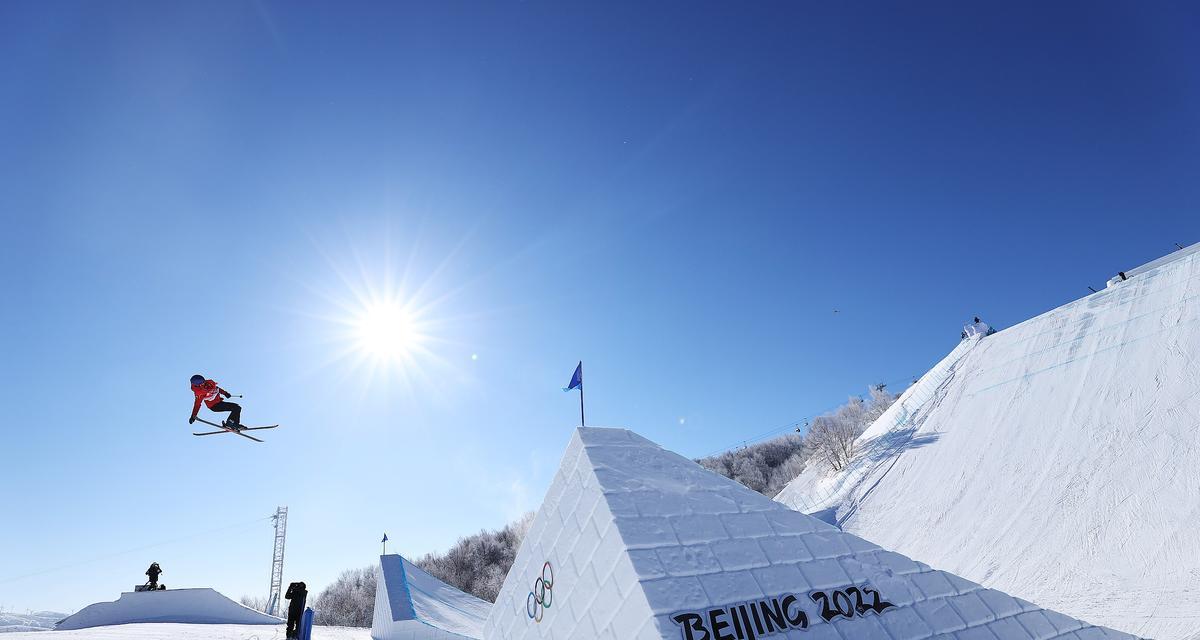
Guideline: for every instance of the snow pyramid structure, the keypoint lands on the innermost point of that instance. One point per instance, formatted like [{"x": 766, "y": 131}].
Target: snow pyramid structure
[
  {"x": 635, "y": 542},
  {"x": 196, "y": 606},
  {"x": 413, "y": 605},
  {"x": 1058, "y": 459}
]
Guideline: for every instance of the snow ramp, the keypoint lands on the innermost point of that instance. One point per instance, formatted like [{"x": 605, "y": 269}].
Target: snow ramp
[
  {"x": 633, "y": 542},
  {"x": 1057, "y": 459},
  {"x": 195, "y": 606},
  {"x": 410, "y": 604}
]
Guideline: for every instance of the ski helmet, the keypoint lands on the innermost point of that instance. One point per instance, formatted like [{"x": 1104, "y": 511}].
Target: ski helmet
[{"x": 197, "y": 380}]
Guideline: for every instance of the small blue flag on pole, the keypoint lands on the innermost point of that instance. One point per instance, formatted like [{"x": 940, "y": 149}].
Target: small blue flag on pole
[
  {"x": 384, "y": 538},
  {"x": 577, "y": 383},
  {"x": 576, "y": 379}
]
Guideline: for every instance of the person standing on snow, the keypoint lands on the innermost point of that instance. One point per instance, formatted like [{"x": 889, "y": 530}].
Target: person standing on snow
[
  {"x": 210, "y": 394},
  {"x": 153, "y": 572},
  {"x": 297, "y": 594},
  {"x": 977, "y": 328}
]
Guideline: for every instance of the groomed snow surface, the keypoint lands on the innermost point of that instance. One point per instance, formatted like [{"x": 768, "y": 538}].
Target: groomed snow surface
[
  {"x": 1058, "y": 459},
  {"x": 635, "y": 542},
  {"x": 413, "y": 605},
  {"x": 195, "y": 606}
]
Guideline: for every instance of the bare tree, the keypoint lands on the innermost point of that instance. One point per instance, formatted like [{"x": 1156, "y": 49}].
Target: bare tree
[{"x": 258, "y": 603}]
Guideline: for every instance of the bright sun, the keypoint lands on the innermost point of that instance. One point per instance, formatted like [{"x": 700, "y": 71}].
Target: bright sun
[
  {"x": 386, "y": 325},
  {"x": 387, "y": 331}
]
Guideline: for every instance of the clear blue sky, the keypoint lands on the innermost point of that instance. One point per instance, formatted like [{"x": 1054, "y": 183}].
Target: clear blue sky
[{"x": 679, "y": 194}]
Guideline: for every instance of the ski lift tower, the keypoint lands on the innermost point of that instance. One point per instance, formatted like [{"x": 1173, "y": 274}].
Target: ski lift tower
[{"x": 280, "y": 519}]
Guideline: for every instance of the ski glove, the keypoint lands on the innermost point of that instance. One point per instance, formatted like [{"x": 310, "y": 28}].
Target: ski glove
[
  {"x": 226, "y": 393},
  {"x": 192, "y": 420}
]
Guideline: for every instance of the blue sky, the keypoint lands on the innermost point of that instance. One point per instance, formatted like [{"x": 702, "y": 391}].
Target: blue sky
[{"x": 680, "y": 195}]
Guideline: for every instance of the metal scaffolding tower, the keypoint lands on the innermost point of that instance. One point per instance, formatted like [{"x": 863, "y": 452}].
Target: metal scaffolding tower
[{"x": 280, "y": 519}]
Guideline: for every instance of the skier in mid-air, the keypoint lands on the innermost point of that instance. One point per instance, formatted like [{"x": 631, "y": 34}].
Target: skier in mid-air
[{"x": 210, "y": 394}]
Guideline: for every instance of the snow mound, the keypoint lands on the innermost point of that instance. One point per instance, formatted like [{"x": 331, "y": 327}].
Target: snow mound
[
  {"x": 410, "y": 604},
  {"x": 196, "y": 606},
  {"x": 1056, "y": 459},
  {"x": 636, "y": 542}
]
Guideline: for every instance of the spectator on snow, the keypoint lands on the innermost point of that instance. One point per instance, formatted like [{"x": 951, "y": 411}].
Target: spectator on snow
[
  {"x": 153, "y": 572},
  {"x": 297, "y": 592},
  {"x": 977, "y": 328}
]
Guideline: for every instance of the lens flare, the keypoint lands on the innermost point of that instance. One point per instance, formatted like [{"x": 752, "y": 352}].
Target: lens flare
[{"x": 387, "y": 331}]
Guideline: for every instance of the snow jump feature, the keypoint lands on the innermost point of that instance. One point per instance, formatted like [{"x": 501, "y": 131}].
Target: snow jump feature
[
  {"x": 646, "y": 544},
  {"x": 195, "y": 606},
  {"x": 1055, "y": 459},
  {"x": 410, "y": 604}
]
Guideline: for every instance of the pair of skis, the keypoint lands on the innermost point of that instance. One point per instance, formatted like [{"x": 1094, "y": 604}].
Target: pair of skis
[{"x": 224, "y": 429}]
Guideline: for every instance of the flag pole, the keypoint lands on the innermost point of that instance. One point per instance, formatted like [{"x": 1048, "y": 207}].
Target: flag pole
[{"x": 582, "y": 422}]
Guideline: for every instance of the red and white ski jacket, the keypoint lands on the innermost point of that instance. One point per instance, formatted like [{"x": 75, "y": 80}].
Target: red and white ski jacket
[{"x": 208, "y": 392}]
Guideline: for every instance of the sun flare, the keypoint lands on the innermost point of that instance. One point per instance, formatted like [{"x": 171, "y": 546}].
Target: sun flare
[
  {"x": 386, "y": 331},
  {"x": 383, "y": 325}
]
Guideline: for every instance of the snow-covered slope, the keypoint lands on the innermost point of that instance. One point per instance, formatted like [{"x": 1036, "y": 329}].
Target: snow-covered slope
[
  {"x": 36, "y": 621},
  {"x": 637, "y": 543},
  {"x": 413, "y": 605},
  {"x": 169, "y": 631},
  {"x": 195, "y": 606},
  {"x": 1058, "y": 459}
]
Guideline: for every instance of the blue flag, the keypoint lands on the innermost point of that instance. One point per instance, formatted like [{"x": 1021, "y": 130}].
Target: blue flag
[
  {"x": 576, "y": 379},
  {"x": 384, "y": 538}
]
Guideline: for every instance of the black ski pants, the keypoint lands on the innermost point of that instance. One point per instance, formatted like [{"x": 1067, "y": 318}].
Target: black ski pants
[
  {"x": 295, "y": 615},
  {"x": 234, "y": 409}
]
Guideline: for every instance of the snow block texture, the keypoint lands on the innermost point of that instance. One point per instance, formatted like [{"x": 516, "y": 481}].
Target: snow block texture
[
  {"x": 410, "y": 604},
  {"x": 195, "y": 606},
  {"x": 635, "y": 542},
  {"x": 1056, "y": 459}
]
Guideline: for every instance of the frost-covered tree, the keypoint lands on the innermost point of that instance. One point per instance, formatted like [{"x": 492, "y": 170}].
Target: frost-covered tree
[
  {"x": 349, "y": 601},
  {"x": 764, "y": 467},
  {"x": 767, "y": 466},
  {"x": 477, "y": 564},
  {"x": 258, "y": 603},
  {"x": 832, "y": 437}
]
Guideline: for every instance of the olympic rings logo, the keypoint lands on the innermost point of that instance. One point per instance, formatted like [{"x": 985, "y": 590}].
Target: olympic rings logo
[{"x": 542, "y": 595}]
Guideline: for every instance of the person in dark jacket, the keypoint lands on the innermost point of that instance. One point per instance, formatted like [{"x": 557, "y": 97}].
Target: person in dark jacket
[
  {"x": 297, "y": 593},
  {"x": 153, "y": 572}
]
